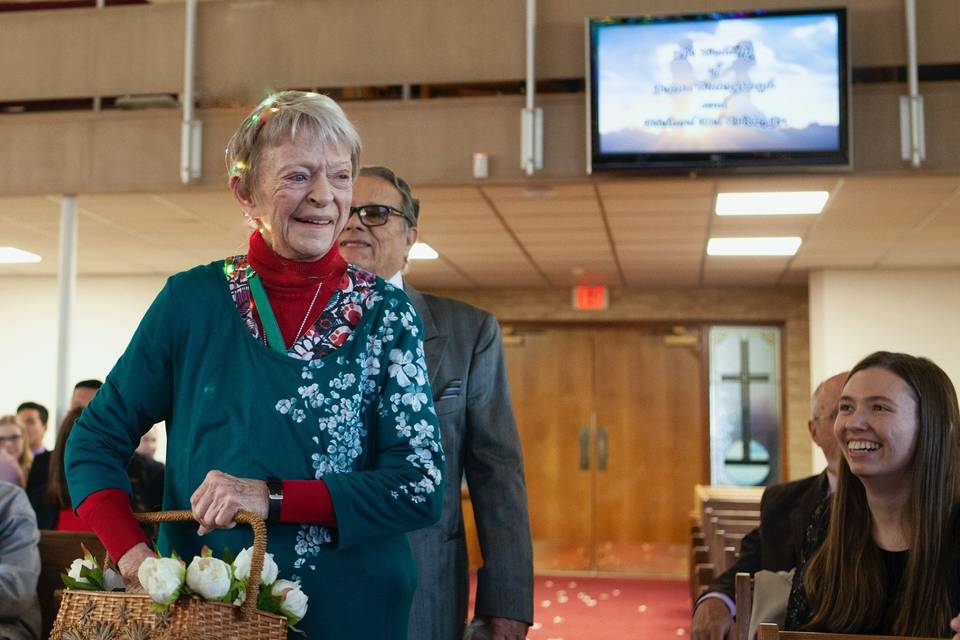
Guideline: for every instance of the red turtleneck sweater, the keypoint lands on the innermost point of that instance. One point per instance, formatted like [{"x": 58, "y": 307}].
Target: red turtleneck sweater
[{"x": 291, "y": 287}]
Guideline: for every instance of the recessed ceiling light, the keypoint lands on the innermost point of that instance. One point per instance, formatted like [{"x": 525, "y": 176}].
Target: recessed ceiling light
[
  {"x": 12, "y": 255},
  {"x": 771, "y": 203},
  {"x": 423, "y": 251},
  {"x": 782, "y": 246}
]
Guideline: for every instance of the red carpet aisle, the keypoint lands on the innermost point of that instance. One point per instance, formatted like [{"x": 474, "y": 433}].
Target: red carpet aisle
[{"x": 610, "y": 609}]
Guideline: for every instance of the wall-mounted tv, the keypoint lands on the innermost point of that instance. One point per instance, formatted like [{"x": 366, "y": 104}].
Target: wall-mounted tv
[{"x": 718, "y": 90}]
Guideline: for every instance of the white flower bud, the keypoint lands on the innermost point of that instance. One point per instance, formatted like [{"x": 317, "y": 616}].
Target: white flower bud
[
  {"x": 294, "y": 604},
  {"x": 161, "y": 578},
  {"x": 241, "y": 567},
  {"x": 209, "y": 577},
  {"x": 77, "y": 565}
]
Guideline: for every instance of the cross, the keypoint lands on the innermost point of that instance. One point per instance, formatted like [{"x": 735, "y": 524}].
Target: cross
[{"x": 745, "y": 378}]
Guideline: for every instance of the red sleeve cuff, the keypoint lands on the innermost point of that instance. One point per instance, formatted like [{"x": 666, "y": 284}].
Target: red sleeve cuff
[
  {"x": 108, "y": 513},
  {"x": 307, "y": 502}
]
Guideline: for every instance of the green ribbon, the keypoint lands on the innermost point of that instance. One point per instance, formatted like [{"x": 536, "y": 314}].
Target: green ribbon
[{"x": 267, "y": 319}]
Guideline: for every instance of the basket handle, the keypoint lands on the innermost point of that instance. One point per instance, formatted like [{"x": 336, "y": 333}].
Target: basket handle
[{"x": 259, "y": 547}]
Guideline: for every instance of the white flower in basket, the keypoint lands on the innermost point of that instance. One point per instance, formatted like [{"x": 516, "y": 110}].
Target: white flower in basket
[
  {"x": 241, "y": 567},
  {"x": 162, "y": 579},
  {"x": 293, "y": 603},
  {"x": 77, "y": 566},
  {"x": 209, "y": 577},
  {"x": 86, "y": 574}
]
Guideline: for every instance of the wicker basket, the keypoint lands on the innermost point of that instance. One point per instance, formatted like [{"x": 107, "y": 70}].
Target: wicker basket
[{"x": 90, "y": 615}]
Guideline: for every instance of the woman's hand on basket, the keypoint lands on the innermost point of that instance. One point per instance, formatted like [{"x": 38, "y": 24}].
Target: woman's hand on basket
[
  {"x": 130, "y": 562},
  {"x": 219, "y": 497}
]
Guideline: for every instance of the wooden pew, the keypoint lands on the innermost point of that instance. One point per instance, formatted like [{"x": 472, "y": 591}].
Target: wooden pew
[
  {"x": 701, "y": 571},
  {"x": 723, "y": 540},
  {"x": 58, "y": 549},
  {"x": 736, "y": 509},
  {"x": 743, "y": 590},
  {"x": 772, "y": 632}
]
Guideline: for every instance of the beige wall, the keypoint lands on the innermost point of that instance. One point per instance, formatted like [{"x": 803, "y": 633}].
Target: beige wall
[
  {"x": 853, "y": 313},
  {"x": 107, "y": 312},
  {"x": 786, "y": 305}
]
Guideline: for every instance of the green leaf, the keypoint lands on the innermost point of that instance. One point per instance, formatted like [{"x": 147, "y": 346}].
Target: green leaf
[
  {"x": 156, "y": 607},
  {"x": 268, "y": 602},
  {"x": 236, "y": 587},
  {"x": 95, "y": 576},
  {"x": 70, "y": 583},
  {"x": 228, "y": 556}
]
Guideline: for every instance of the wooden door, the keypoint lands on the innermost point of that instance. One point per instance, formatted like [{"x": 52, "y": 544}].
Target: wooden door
[
  {"x": 648, "y": 397},
  {"x": 611, "y": 425},
  {"x": 551, "y": 379}
]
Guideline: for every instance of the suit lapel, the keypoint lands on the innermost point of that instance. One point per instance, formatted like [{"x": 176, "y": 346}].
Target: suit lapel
[
  {"x": 433, "y": 341},
  {"x": 800, "y": 515}
]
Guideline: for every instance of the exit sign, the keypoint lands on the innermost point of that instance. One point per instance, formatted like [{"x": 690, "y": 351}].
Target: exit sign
[{"x": 590, "y": 298}]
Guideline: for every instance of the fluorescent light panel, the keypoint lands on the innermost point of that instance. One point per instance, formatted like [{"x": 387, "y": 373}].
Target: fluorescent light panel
[
  {"x": 771, "y": 203},
  {"x": 423, "y": 251},
  {"x": 12, "y": 255},
  {"x": 782, "y": 246}
]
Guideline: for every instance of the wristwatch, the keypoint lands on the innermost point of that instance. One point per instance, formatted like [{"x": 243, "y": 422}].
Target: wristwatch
[{"x": 275, "y": 487}]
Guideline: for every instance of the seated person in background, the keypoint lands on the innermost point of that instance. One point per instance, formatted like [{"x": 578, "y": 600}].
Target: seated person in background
[
  {"x": 13, "y": 446},
  {"x": 785, "y": 510},
  {"x": 51, "y": 499},
  {"x": 33, "y": 417},
  {"x": 882, "y": 556},
  {"x": 83, "y": 393},
  {"x": 19, "y": 566}
]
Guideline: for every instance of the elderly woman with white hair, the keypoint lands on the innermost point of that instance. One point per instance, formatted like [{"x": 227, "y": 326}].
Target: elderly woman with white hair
[{"x": 292, "y": 384}]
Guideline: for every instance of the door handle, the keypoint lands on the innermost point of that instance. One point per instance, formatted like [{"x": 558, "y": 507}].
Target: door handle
[
  {"x": 601, "y": 449},
  {"x": 584, "y": 448}
]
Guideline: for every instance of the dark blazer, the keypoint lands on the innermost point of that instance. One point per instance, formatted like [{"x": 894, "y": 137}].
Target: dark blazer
[
  {"x": 468, "y": 375},
  {"x": 785, "y": 511}
]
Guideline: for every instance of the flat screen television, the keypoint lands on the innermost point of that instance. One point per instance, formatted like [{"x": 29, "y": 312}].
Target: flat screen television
[{"x": 718, "y": 90}]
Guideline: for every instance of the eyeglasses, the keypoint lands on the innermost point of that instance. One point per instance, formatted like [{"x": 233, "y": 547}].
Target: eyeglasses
[
  {"x": 374, "y": 215},
  {"x": 10, "y": 439}
]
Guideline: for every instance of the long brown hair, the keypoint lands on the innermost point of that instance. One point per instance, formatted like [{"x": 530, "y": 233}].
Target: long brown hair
[
  {"x": 844, "y": 579},
  {"x": 57, "y": 492}
]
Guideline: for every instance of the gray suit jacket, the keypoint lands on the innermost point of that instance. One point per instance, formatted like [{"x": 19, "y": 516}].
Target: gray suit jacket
[{"x": 469, "y": 380}]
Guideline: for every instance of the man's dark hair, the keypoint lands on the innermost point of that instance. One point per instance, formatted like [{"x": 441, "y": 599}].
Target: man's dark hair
[
  {"x": 42, "y": 410},
  {"x": 411, "y": 206},
  {"x": 93, "y": 383}
]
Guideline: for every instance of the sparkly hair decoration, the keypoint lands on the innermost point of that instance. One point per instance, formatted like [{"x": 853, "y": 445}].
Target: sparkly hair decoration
[{"x": 281, "y": 115}]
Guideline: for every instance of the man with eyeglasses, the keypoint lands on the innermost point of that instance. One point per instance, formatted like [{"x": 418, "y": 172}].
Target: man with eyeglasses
[{"x": 468, "y": 375}]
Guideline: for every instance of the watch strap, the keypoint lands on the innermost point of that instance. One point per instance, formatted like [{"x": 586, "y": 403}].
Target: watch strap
[{"x": 275, "y": 489}]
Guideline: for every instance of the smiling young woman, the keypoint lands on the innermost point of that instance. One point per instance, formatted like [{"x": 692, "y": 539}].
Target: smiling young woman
[{"x": 883, "y": 556}]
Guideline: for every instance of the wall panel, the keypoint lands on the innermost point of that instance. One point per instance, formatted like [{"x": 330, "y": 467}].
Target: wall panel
[
  {"x": 88, "y": 52},
  {"x": 248, "y": 46},
  {"x": 428, "y": 141}
]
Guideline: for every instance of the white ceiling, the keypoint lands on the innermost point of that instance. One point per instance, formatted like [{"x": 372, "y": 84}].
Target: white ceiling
[{"x": 640, "y": 232}]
